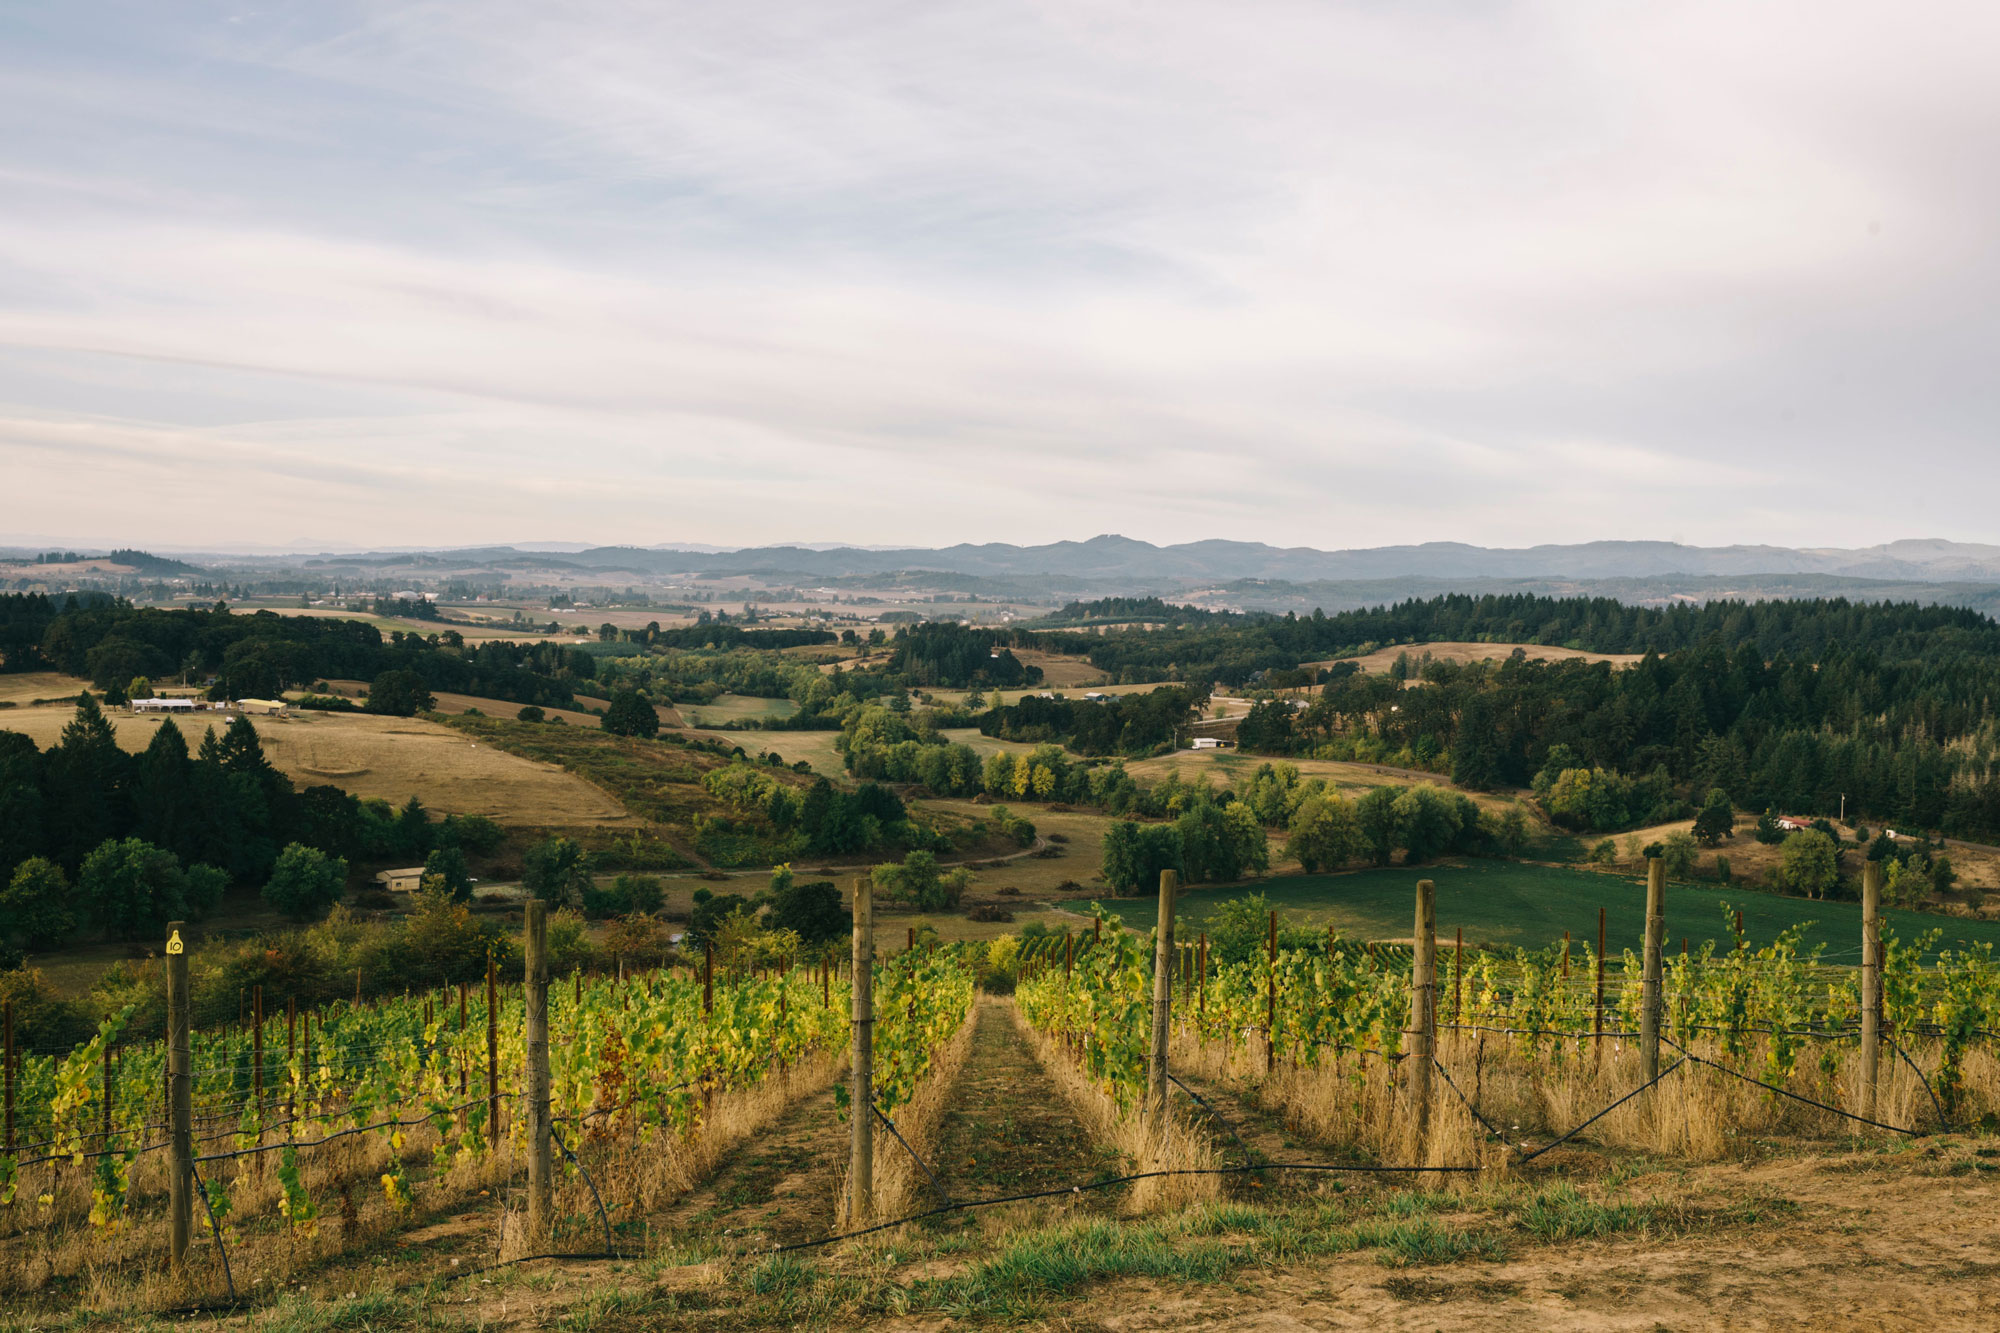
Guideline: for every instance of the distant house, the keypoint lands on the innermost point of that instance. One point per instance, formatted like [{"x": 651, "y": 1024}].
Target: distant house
[
  {"x": 1096, "y": 697},
  {"x": 1794, "y": 823},
  {"x": 407, "y": 880},
  {"x": 1209, "y": 743},
  {"x": 260, "y": 706},
  {"x": 162, "y": 705}
]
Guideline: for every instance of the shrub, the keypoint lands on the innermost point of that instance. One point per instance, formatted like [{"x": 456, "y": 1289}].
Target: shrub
[
  {"x": 917, "y": 881},
  {"x": 557, "y": 871},
  {"x": 35, "y": 904},
  {"x": 1679, "y": 851},
  {"x": 814, "y": 911},
  {"x": 1810, "y": 865},
  {"x": 989, "y": 912},
  {"x": 305, "y": 882},
  {"x": 531, "y": 713},
  {"x": 448, "y": 865},
  {"x": 630, "y": 714},
  {"x": 134, "y": 888}
]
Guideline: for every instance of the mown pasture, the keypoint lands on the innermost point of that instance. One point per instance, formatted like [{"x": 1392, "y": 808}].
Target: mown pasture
[{"x": 1510, "y": 903}]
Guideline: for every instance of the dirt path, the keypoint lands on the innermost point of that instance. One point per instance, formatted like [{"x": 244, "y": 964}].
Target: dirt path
[
  {"x": 1009, "y": 1130},
  {"x": 778, "y": 1187}
]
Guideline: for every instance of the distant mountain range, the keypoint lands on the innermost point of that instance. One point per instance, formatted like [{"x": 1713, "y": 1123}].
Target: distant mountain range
[{"x": 1122, "y": 559}]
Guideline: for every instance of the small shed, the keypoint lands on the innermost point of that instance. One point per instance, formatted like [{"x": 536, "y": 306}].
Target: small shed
[{"x": 407, "y": 880}]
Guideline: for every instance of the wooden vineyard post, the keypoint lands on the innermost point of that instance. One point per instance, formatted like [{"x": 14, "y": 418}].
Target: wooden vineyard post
[
  {"x": 1458, "y": 979},
  {"x": 1423, "y": 1013},
  {"x": 1163, "y": 1008},
  {"x": 492, "y": 1053},
  {"x": 1201, "y": 977},
  {"x": 1649, "y": 1005},
  {"x": 464, "y": 1060},
  {"x": 535, "y": 995},
  {"x": 1871, "y": 984},
  {"x": 861, "y": 1162},
  {"x": 708, "y": 978},
  {"x": 291, "y": 1057},
  {"x": 1597, "y": 1022},
  {"x": 180, "y": 1106},
  {"x": 1271, "y": 998},
  {"x": 7, "y": 1065},
  {"x": 257, "y": 1067}
]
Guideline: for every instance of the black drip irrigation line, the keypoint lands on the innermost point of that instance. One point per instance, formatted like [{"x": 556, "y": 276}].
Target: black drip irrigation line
[
  {"x": 922, "y": 1165},
  {"x": 603, "y": 1216},
  {"x": 1531, "y": 1156},
  {"x": 1936, "y": 1105},
  {"x": 1785, "y": 1092},
  {"x": 1249, "y": 1157},
  {"x": 1452, "y": 1083},
  {"x": 215, "y": 1230}
]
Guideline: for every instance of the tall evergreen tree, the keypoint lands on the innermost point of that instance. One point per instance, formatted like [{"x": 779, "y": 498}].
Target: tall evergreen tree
[
  {"x": 87, "y": 781},
  {"x": 161, "y": 790}
]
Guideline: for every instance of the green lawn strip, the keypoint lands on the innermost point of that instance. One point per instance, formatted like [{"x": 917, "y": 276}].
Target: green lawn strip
[{"x": 1510, "y": 903}]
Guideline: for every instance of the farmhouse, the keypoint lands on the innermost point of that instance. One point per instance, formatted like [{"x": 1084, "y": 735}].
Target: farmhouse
[
  {"x": 407, "y": 880},
  {"x": 1209, "y": 743},
  {"x": 1793, "y": 823},
  {"x": 162, "y": 705}
]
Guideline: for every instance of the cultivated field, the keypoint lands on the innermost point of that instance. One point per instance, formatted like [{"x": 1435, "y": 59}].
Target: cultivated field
[
  {"x": 393, "y": 758},
  {"x": 1384, "y": 658}
]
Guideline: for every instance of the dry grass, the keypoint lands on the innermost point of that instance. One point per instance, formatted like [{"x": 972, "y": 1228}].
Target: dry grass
[
  {"x": 120, "y": 1267},
  {"x": 1355, "y": 1104},
  {"x": 1188, "y": 1146},
  {"x": 23, "y": 689},
  {"x": 901, "y": 1187},
  {"x": 640, "y": 1171},
  {"x": 1536, "y": 1092}
]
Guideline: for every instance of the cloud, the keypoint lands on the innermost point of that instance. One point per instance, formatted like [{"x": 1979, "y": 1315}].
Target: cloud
[{"x": 1330, "y": 275}]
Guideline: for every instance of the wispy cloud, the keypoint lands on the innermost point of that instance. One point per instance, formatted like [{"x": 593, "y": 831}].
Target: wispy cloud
[{"x": 1312, "y": 274}]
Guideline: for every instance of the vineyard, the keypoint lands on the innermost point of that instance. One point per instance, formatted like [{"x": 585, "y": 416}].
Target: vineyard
[
  {"x": 312, "y": 1130},
  {"x": 312, "y": 1134}
]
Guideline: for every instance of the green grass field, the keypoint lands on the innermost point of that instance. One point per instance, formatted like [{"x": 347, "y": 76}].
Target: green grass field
[
  {"x": 1508, "y": 903},
  {"x": 735, "y": 708}
]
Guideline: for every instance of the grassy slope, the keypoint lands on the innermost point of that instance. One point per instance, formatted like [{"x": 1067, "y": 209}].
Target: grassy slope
[{"x": 1510, "y": 903}]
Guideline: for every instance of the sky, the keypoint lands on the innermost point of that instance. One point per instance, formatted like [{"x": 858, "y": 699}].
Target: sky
[{"x": 336, "y": 275}]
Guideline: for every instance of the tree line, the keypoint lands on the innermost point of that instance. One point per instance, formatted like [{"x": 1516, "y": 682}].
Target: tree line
[
  {"x": 1237, "y": 649},
  {"x": 96, "y": 840},
  {"x": 111, "y": 642}
]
